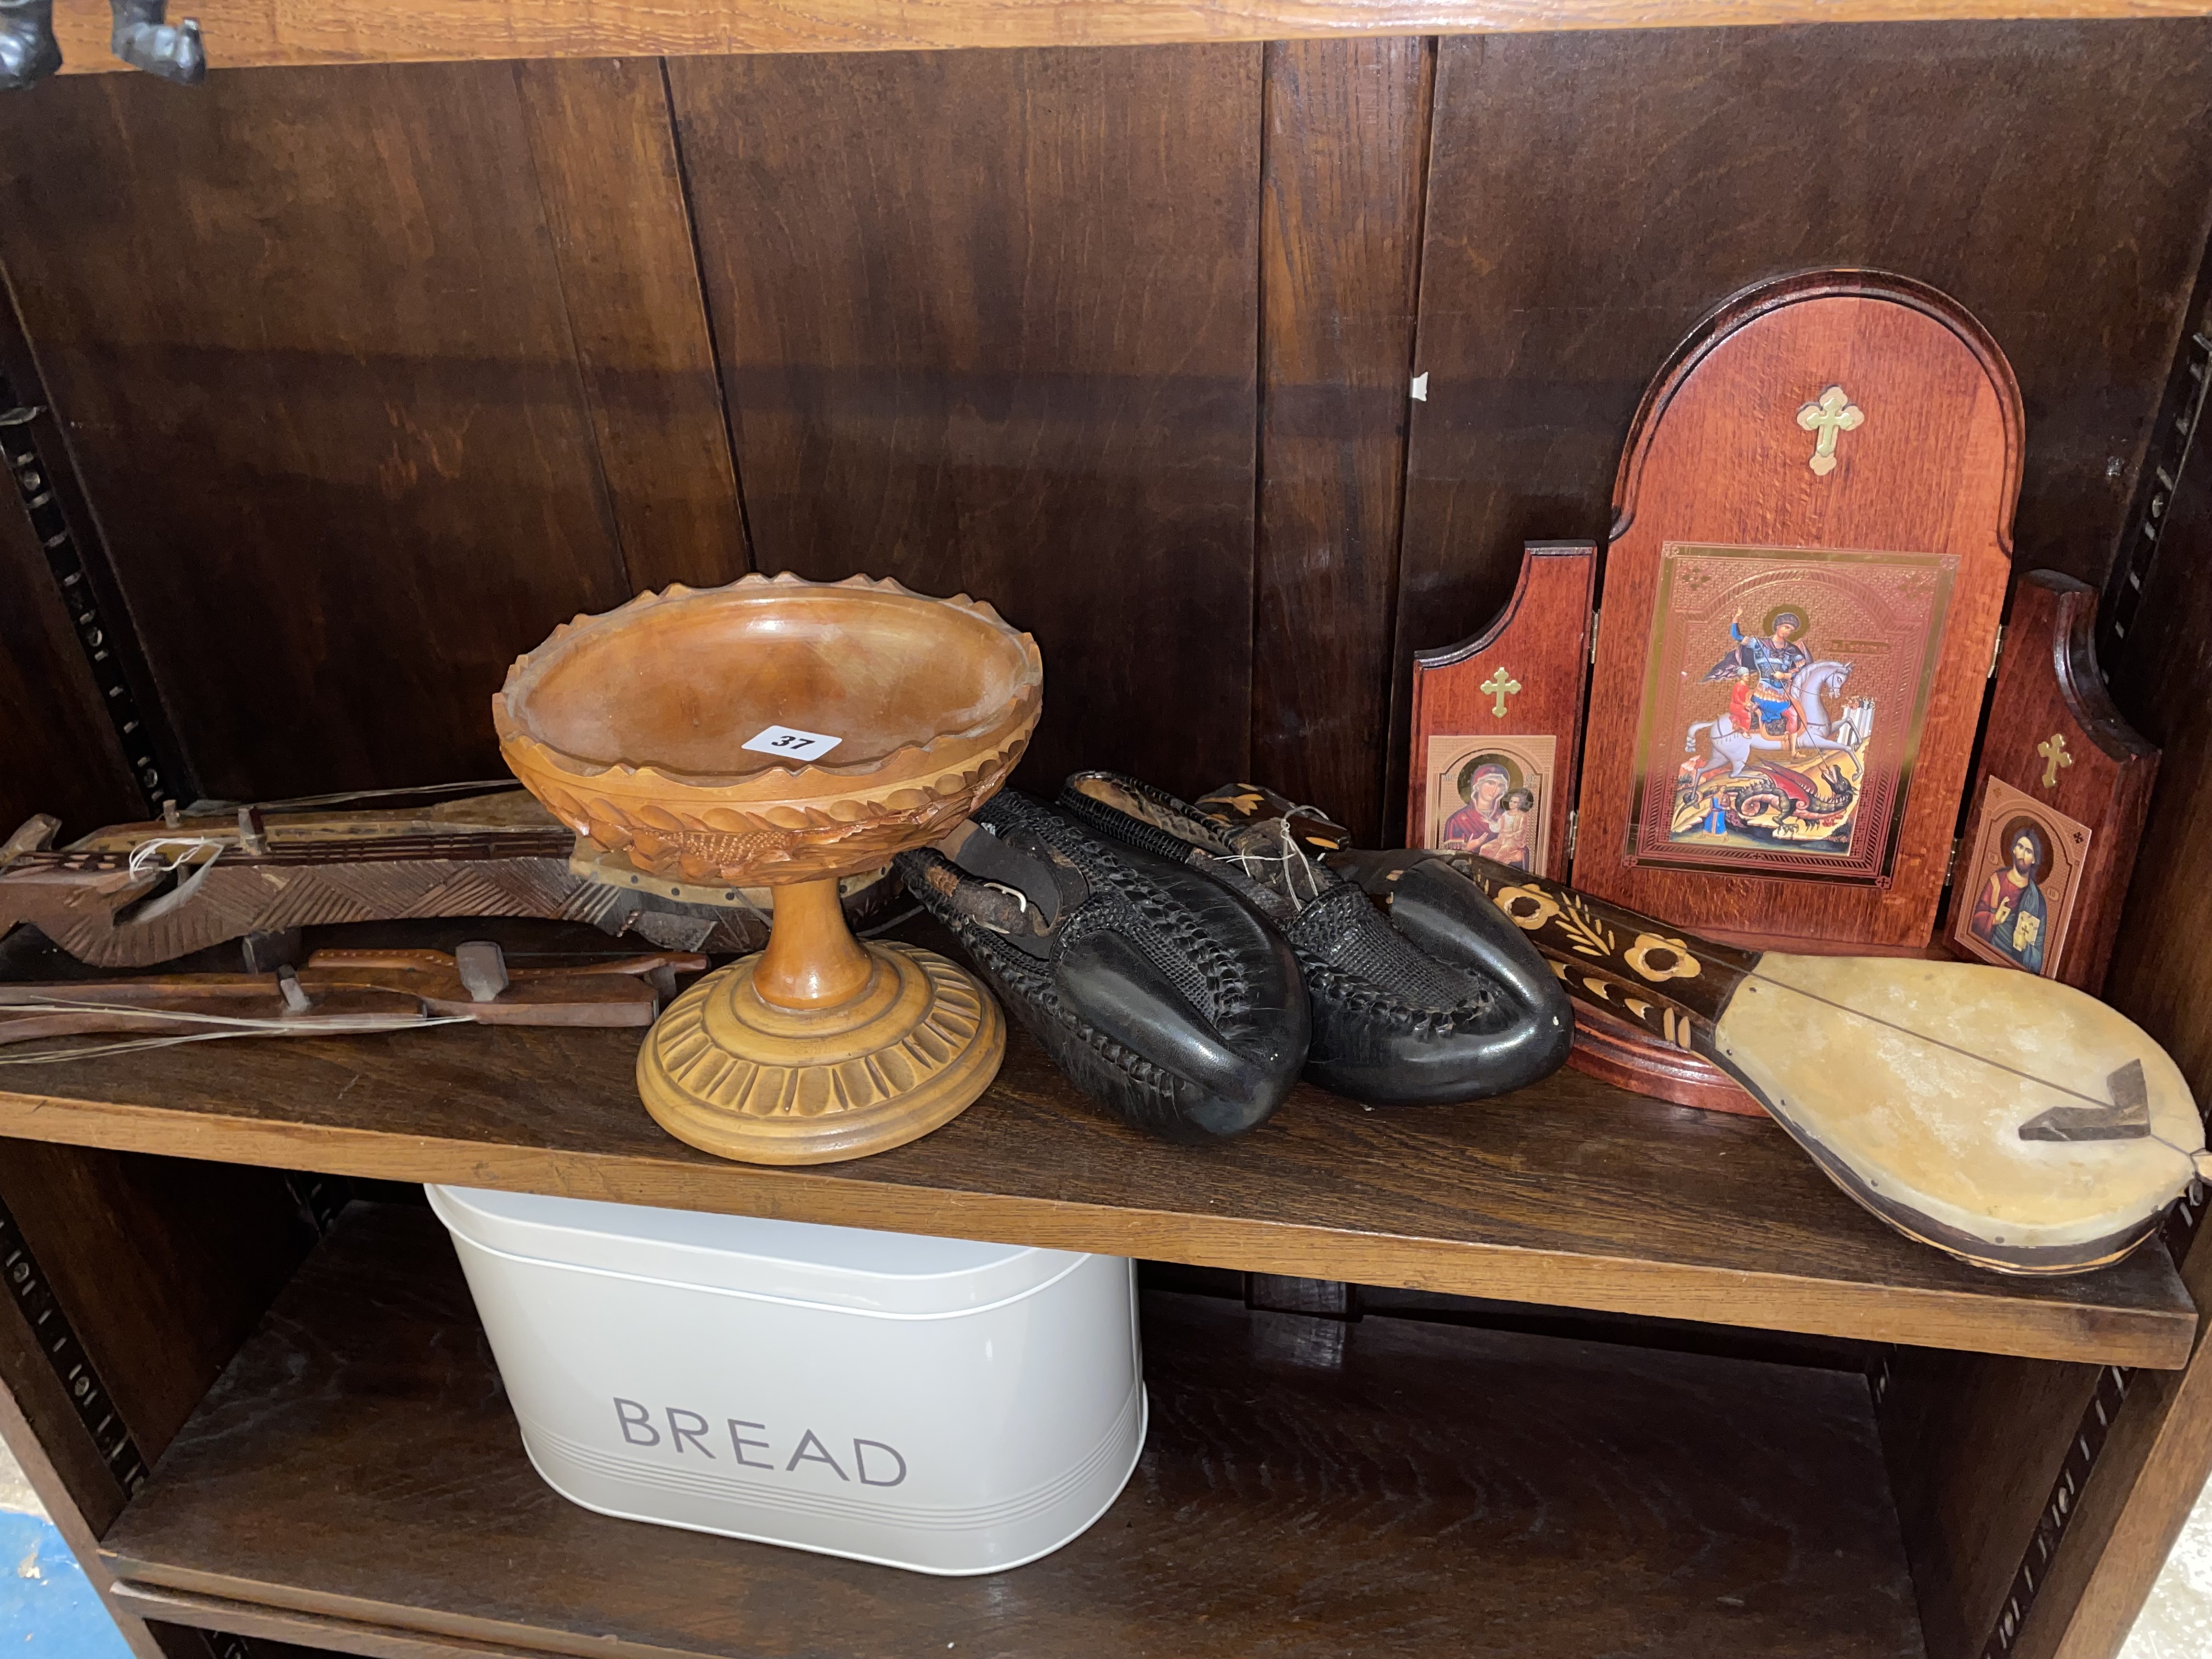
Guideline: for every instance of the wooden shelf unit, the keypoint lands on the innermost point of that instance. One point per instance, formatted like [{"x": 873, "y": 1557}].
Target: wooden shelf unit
[
  {"x": 1388, "y": 1488},
  {"x": 1573, "y": 1193},
  {"x": 268, "y": 34},
  {"x": 343, "y": 388}
]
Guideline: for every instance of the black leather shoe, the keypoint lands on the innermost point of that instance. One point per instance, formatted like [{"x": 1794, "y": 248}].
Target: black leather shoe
[
  {"x": 1158, "y": 992},
  {"x": 1443, "y": 1000}
]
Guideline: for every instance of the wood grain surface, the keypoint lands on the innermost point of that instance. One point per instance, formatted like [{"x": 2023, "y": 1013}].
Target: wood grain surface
[
  {"x": 1572, "y": 1193},
  {"x": 604, "y": 143},
  {"x": 2146, "y": 1480},
  {"x": 307, "y": 335},
  {"x": 1347, "y": 149},
  {"x": 1677, "y": 168},
  {"x": 1306, "y": 1489},
  {"x": 2161, "y": 682},
  {"x": 2049, "y": 687},
  {"x": 58, "y": 752},
  {"x": 280, "y": 1633},
  {"x": 1541, "y": 645},
  {"x": 1973, "y": 1442},
  {"x": 2154, "y": 1465},
  {"x": 240, "y": 32},
  {"x": 1718, "y": 458},
  {"x": 988, "y": 324},
  {"x": 163, "y": 1265}
]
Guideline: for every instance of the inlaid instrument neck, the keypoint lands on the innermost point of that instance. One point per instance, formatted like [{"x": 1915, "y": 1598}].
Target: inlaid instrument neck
[{"x": 1666, "y": 981}]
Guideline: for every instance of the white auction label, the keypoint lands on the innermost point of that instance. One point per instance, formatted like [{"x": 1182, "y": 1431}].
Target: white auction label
[{"x": 789, "y": 743}]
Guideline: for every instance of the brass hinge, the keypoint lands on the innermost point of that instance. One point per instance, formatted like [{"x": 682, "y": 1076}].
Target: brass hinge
[
  {"x": 1996, "y": 650},
  {"x": 1950, "y": 863},
  {"x": 1593, "y": 620},
  {"x": 1573, "y": 815}
]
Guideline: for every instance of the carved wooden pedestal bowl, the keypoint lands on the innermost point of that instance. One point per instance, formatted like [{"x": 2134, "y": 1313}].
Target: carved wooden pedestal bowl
[{"x": 690, "y": 732}]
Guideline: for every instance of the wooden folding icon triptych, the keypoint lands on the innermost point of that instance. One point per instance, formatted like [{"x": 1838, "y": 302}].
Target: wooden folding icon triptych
[{"x": 1770, "y": 743}]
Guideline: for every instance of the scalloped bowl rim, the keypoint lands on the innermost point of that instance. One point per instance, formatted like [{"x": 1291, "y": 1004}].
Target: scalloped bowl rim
[{"x": 1006, "y": 720}]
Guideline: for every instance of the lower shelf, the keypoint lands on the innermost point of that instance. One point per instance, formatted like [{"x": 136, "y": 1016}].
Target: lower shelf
[{"x": 1388, "y": 1488}]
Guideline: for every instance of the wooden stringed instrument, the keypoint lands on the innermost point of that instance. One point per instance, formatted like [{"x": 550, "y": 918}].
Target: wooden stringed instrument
[
  {"x": 221, "y": 875},
  {"x": 337, "y": 992},
  {"x": 2007, "y": 1120}
]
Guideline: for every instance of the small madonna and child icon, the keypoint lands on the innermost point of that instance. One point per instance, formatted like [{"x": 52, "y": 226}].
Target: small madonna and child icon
[{"x": 1498, "y": 818}]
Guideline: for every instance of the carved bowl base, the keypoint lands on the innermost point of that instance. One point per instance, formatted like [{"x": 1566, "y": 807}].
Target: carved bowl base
[{"x": 742, "y": 1078}]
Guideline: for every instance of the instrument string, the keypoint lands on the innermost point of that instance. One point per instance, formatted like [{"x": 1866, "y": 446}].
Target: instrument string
[
  {"x": 1932, "y": 1042},
  {"x": 155, "y": 855},
  {"x": 1953, "y": 1047},
  {"x": 229, "y": 1025}
]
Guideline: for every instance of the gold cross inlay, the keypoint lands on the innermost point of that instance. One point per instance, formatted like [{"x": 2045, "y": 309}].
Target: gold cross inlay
[
  {"x": 2053, "y": 751},
  {"x": 1503, "y": 687},
  {"x": 1831, "y": 413}
]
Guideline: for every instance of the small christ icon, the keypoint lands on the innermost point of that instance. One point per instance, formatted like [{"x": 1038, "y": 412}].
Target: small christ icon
[
  {"x": 2053, "y": 751},
  {"x": 1503, "y": 687},
  {"x": 1834, "y": 412}
]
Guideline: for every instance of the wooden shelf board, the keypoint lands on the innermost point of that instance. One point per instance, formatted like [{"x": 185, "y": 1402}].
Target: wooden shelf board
[
  {"x": 1572, "y": 1193},
  {"x": 263, "y": 33},
  {"x": 1389, "y": 1488}
]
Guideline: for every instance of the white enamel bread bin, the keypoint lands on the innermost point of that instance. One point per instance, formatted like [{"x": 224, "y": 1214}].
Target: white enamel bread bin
[{"x": 928, "y": 1403}]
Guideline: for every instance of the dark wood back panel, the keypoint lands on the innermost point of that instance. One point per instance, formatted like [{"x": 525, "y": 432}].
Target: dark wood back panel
[
  {"x": 1592, "y": 196},
  {"x": 59, "y": 753},
  {"x": 988, "y": 324},
  {"x": 374, "y": 374},
  {"x": 1347, "y": 149},
  {"x": 308, "y": 332},
  {"x": 2161, "y": 679},
  {"x": 612, "y": 184},
  {"x": 163, "y": 1265}
]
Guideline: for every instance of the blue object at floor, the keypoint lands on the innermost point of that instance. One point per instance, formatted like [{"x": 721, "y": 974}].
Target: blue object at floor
[{"x": 48, "y": 1610}]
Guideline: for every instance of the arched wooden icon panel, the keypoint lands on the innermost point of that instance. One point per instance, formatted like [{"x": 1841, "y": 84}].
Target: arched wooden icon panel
[
  {"x": 1802, "y": 594},
  {"x": 2059, "y": 798},
  {"x": 1497, "y": 721}
]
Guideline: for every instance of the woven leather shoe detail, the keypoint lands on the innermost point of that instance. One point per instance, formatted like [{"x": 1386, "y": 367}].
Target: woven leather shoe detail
[
  {"x": 1418, "y": 997},
  {"x": 1160, "y": 995}
]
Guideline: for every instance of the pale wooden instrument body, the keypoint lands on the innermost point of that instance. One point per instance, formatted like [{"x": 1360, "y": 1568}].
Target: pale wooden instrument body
[
  {"x": 2007, "y": 1119},
  {"x": 1911, "y": 1082}
]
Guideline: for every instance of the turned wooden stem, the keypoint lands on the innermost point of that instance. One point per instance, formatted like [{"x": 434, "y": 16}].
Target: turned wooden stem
[{"x": 813, "y": 960}]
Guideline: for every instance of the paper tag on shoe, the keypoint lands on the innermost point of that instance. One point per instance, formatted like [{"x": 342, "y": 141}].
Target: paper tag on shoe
[{"x": 789, "y": 743}]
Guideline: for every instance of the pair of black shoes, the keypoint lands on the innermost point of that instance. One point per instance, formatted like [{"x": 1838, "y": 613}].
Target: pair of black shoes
[{"x": 1182, "y": 963}]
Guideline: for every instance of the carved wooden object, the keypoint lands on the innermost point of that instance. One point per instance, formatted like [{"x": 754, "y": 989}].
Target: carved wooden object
[
  {"x": 1497, "y": 721},
  {"x": 2012, "y": 1121},
  {"x": 493, "y": 855},
  {"x": 339, "y": 992},
  {"x": 2060, "y": 768},
  {"x": 924, "y": 706},
  {"x": 789, "y": 733},
  {"x": 1812, "y": 541}
]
